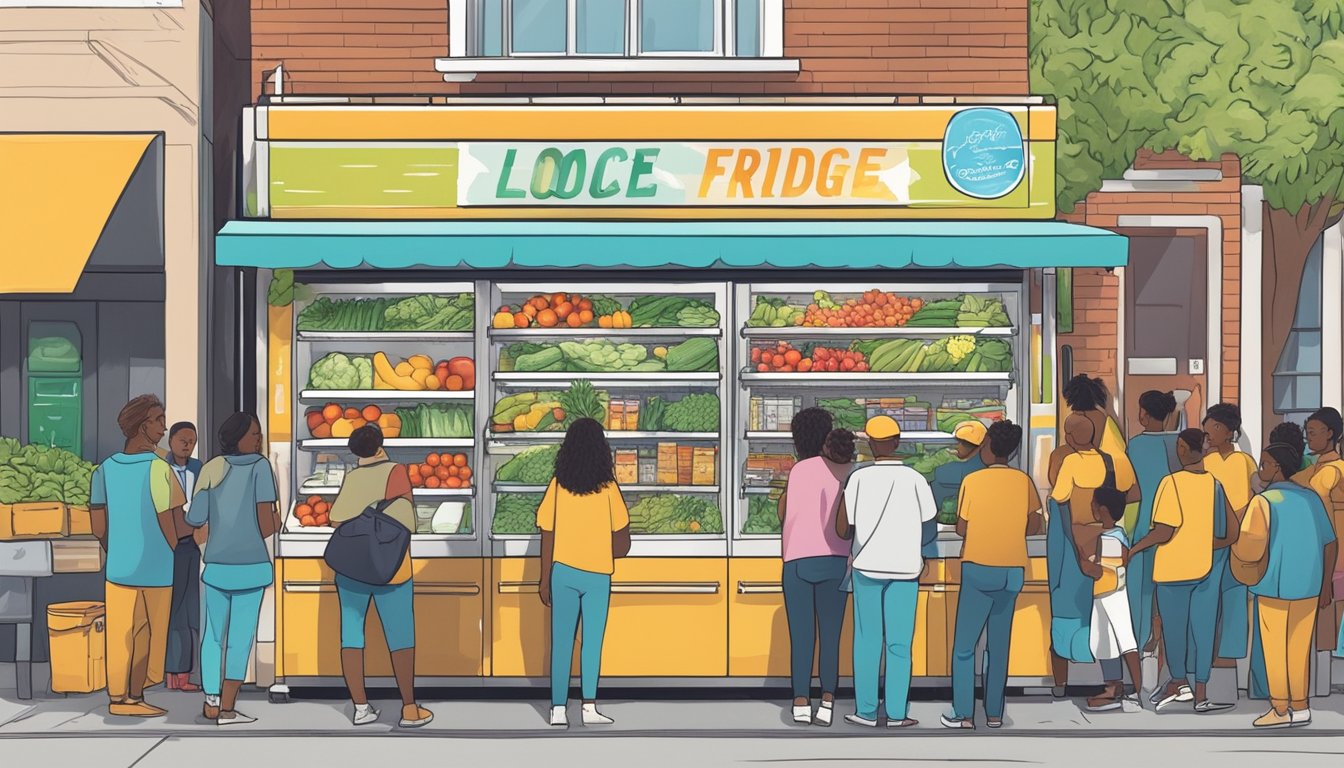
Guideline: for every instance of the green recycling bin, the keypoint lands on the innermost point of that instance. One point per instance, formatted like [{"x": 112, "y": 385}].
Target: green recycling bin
[{"x": 55, "y": 394}]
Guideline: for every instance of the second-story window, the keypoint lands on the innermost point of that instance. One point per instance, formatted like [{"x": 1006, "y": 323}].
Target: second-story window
[{"x": 616, "y": 28}]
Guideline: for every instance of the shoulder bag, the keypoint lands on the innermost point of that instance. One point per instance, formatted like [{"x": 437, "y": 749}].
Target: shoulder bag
[{"x": 370, "y": 547}]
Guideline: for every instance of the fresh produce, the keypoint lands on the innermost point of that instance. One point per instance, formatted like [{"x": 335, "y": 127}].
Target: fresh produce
[
  {"x": 671, "y": 312},
  {"x": 762, "y": 516},
  {"x": 431, "y": 313},
  {"x": 451, "y": 420},
  {"x": 953, "y": 412},
  {"x": 937, "y": 314},
  {"x": 874, "y": 309},
  {"x": 528, "y": 412},
  {"x": 280, "y": 293},
  {"x": 42, "y": 473},
  {"x": 338, "y": 371},
  {"x": 925, "y": 462},
  {"x": 694, "y": 355},
  {"x": 581, "y": 401},
  {"x": 557, "y": 310},
  {"x": 516, "y": 513},
  {"x": 774, "y": 313},
  {"x": 441, "y": 470},
  {"x": 845, "y": 412},
  {"x": 692, "y": 413},
  {"x": 314, "y": 511},
  {"x": 837, "y": 361},
  {"x": 419, "y": 373},
  {"x": 671, "y": 514},
  {"x": 978, "y": 311},
  {"x": 947, "y": 513},
  {"x": 333, "y": 421},
  {"x": 349, "y": 315},
  {"x": 533, "y": 466},
  {"x": 544, "y": 359},
  {"x": 960, "y": 353},
  {"x": 653, "y": 414},
  {"x": 600, "y": 356},
  {"x": 617, "y": 319},
  {"x": 782, "y": 358},
  {"x": 605, "y": 305}
]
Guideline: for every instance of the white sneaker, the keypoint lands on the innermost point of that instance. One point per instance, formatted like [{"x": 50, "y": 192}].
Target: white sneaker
[
  {"x": 365, "y": 715},
  {"x": 802, "y": 714},
  {"x": 238, "y": 718},
  {"x": 863, "y": 721},
  {"x": 559, "y": 718},
  {"x": 1301, "y": 718},
  {"x": 592, "y": 717},
  {"x": 825, "y": 713}
]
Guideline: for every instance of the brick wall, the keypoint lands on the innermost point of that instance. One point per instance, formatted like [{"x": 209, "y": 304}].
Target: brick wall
[
  {"x": 1096, "y": 292},
  {"x": 846, "y": 47}
]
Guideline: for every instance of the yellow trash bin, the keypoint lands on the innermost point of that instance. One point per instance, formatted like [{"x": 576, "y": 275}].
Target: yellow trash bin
[{"x": 78, "y": 646}]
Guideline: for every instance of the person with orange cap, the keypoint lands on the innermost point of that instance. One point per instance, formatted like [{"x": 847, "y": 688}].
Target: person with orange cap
[
  {"x": 947, "y": 479},
  {"x": 887, "y": 511}
]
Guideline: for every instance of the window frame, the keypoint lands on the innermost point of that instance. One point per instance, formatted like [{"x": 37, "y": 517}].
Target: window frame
[{"x": 1293, "y": 378}]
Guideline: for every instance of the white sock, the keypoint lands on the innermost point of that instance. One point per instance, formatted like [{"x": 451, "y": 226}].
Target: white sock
[
  {"x": 212, "y": 700},
  {"x": 362, "y": 708}
]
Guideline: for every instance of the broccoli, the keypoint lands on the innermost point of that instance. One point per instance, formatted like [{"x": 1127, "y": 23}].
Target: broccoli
[{"x": 337, "y": 371}]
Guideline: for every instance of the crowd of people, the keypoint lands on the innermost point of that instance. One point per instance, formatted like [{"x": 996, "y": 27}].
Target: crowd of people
[{"x": 1175, "y": 543}]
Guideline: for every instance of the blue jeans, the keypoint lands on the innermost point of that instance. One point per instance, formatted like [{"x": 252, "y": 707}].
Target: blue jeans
[
  {"x": 988, "y": 599},
  {"x": 884, "y": 626},
  {"x": 577, "y": 594},
  {"x": 231, "y": 618},
  {"x": 815, "y": 608},
  {"x": 396, "y": 612},
  {"x": 1189, "y": 611}
]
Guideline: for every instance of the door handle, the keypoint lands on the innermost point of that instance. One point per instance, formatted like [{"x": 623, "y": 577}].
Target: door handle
[
  {"x": 519, "y": 587},
  {"x": 665, "y": 588},
  {"x": 447, "y": 588},
  {"x": 759, "y": 588},
  {"x": 310, "y": 587}
]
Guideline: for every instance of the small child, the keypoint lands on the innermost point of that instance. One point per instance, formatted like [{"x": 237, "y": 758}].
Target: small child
[{"x": 1103, "y": 550}]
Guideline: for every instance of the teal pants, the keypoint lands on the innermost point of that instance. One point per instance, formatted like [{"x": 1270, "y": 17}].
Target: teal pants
[
  {"x": 577, "y": 595},
  {"x": 231, "y": 618},
  {"x": 1189, "y": 611},
  {"x": 988, "y": 598},
  {"x": 884, "y": 629}
]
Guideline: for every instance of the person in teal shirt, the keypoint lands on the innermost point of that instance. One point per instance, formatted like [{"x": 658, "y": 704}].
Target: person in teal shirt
[
  {"x": 235, "y": 498},
  {"x": 970, "y": 435},
  {"x": 1153, "y": 454}
]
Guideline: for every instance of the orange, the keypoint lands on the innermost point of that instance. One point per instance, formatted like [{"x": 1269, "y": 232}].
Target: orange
[
  {"x": 452, "y": 471},
  {"x": 460, "y": 459},
  {"x": 574, "y": 320},
  {"x": 464, "y": 473},
  {"x": 585, "y": 314},
  {"x": 443, "y": 473},
  {"x": 547, "y": 318},
  {"x": 307, "y": 521},
  {"x": 521, "y": 320},
  {"x": 331, "y": 412},
  {"x": 303, "y": 510},
  {"x": 433, "y": 482},
  {"x": 455, "y": 383},
  {"x": 432, "y": 459},
  {"x": 372, "y": 413},
  {"x": 452, "y": 482}
]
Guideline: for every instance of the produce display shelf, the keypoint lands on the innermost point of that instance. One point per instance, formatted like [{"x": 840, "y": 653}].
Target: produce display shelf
[
  {"x": 555, "y": 437},
  {"x": 382, "y": 395},
  {"x": 908, "y": 437},
  {"x": 658, "y": 379},
  {"x": 385, "y": 336},
  {"x": 427, "y": 493},
  {"x": 791, "y": 332},
  {"x": 521, "y": 334},
  {"x": 390, "y": 443},
  {"x": 868, "y": 377},
  {"x": 683, "y": 489}
]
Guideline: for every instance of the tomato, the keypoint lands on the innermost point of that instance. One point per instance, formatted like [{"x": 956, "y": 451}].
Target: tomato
[
  {"x": 762, "y": 368},
  {"x": 793, "y": 356}
]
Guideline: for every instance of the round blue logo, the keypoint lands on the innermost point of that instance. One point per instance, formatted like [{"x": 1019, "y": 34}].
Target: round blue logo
[{"x": 983, "y": 153}]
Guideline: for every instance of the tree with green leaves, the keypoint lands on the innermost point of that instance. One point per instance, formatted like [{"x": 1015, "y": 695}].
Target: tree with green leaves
[{"x": 1260, "y": 79}]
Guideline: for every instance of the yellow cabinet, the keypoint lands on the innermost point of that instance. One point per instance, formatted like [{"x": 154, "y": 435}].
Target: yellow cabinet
[
  {"x": 448, "y": 604},
  {"x": 520, "y": 625},
  {"x": 758, "y": 632}
]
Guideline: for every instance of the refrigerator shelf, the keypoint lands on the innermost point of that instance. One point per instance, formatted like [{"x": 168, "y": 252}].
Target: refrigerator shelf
[
  {"x": 651, "y": 380},
  {"x": 555, "y": 437},
  {"x": 425, "y": 493},
  {"x": 860, "y": 379},
  {"x": 684, "y": 489},
  {"x": 906, "y": 437},
  {"x": 521, "y": 334},
  {"x": 791, "y": 332},
  {"x": 391, "y": 443},
  {"x": 385, "y": 336},
  {"x": 383, "y": 395}
]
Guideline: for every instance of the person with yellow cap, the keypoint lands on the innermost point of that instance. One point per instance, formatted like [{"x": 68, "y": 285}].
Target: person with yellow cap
[
  {"x": 947, "y": 479},
  {"x": 887, "y": 512}
]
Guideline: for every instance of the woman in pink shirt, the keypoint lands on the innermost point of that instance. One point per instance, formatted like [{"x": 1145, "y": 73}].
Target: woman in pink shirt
[{"x": 815, "y": 558}]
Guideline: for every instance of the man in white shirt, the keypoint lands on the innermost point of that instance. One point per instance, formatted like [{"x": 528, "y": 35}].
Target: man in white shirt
[{"x": 889, "y": 512}]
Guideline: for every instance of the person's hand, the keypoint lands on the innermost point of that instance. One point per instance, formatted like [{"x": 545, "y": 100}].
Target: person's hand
[
  {"x": 544, "y": 592},
  {"x": 1327, "y": 593}
]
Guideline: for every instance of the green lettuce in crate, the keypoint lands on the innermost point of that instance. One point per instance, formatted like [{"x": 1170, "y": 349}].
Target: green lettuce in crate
[
  {"x": 693, "y": 413},
  {"x": 532, "y": 466},
  {"x": 762, "y": 516},
  {"x": 516, "y": 513}
]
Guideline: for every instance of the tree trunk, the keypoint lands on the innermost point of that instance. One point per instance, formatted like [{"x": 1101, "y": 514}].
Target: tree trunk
[{"x": 1287, "y": 240}]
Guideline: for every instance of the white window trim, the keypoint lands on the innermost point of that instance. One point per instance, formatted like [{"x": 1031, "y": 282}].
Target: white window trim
[
  {"x": 459, "y": 66},
  {"x": 90, "y": 3}
]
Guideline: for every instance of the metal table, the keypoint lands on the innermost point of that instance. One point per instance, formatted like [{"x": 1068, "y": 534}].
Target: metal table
[{"x": 20, "y": 563}]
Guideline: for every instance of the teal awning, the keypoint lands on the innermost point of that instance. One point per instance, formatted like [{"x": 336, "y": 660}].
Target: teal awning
[{"x": 672, "y": 245}]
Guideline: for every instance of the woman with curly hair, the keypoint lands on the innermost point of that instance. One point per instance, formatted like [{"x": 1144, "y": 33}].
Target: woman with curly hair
[
  {"x": 585, "y": 527},
  {"x": 1325, "y": 430},
  {"x": 815, "y": 560}
]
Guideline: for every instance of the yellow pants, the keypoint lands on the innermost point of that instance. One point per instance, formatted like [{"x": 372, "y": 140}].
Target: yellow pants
[
  {"x": 137, "y": 637},
  {"x": 1287, "y": 628}
]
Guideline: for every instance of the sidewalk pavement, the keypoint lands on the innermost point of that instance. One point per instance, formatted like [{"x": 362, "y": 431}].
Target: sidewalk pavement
[{"x": 77, "y": 716}]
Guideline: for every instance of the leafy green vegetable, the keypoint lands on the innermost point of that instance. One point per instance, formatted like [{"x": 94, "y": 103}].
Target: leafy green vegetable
[
  {"x": 651, "y": 415},
  {"x": 581, "y": 401},
  {"x": 762, "y": 516},
  {"x": 533, "y": 466},
  {"x": 281, "y": 290},
  {"x": 604, "y": 305},
  {"x": 337, "y": 371},
  {"x": 42, "y": 473},
  {"x": 424, "y": 420},
  {"x": 693, "y": 413},
  {"x": 694, "y": 355},
  {"x": 670, "y": 514},
  {"x": 358, "y": 315},
  {"x": 431, "y": 313},
  {"x": 516, "y": 513},
  {"x": 846, "y": 413}
]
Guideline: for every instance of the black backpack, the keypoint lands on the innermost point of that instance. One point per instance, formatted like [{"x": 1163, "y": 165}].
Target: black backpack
[{"x": 369, "y": 548}]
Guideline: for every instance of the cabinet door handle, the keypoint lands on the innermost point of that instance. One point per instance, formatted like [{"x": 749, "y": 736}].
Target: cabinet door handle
[
  {"x": 519, "y": 587},
  {"x": 759, "y": 588},
  {"x": 446, "y": 588},
  {"x": 665, "y": 588},
  {"x": 310, "y": 587}
]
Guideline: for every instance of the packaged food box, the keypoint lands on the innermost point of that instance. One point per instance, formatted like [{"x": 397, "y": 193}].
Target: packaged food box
[
  {"x": 615, "y": 416},
  {"x": 704, "y": 465},
  {"x": 648, "y": 471},
  {"x": 631, "y": 415},
  {"x": 685, "y": 464},
  {"x": 627, "y": 467},
  {"x": 667, "y": 464}
]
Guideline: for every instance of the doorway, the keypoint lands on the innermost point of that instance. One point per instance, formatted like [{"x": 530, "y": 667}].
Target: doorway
[{"x": 1166, "y": 322}]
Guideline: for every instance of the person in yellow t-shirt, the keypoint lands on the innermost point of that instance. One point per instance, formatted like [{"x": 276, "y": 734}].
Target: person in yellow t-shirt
[
  {"x": 997, "y": 509},
  {"x": 1192, "y": 531},
  {"x": 1233, "y": 470},
  {"x": 585, "y": 527},
  {"x": 1325, "y": 429}
]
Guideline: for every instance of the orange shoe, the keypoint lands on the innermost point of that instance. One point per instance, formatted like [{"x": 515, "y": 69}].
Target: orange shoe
[{"x": 135, "y": 709}]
